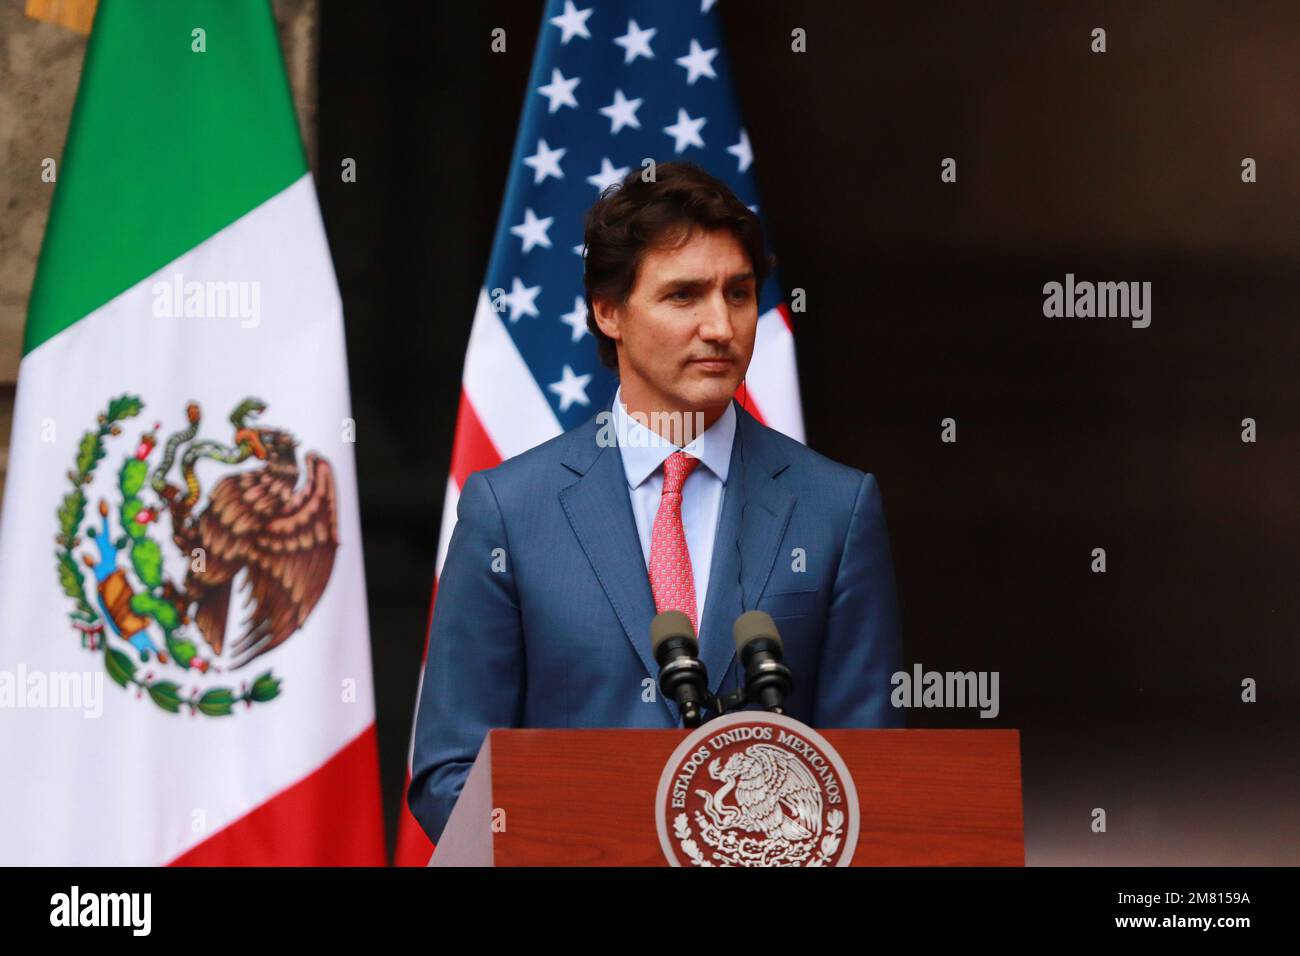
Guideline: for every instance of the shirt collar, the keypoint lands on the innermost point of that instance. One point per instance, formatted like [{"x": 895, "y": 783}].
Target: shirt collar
[{"x": 643, "y": 450}]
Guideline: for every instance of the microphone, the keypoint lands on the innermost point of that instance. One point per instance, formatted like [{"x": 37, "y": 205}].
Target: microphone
[
  {"x": 768, "y": 682},
  {"x": 682, "y": 676}
]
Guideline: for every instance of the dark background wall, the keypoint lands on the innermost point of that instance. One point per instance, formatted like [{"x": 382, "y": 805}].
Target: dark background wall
[{"x": 925, "y": 302}]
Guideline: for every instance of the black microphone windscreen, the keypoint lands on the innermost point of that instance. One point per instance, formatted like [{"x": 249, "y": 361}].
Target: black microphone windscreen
[
  {"x": 753, "y": 625},
  {"x": 668, "y": 626}
]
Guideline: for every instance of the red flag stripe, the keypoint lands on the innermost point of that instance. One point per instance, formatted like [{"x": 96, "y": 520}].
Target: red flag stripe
[
  {"x": 472, "y": 449},
  {"x": 322, "y": 820}
]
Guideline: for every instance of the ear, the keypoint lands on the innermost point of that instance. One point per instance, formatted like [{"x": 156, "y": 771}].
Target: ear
[{"x": 608, "y": 317}]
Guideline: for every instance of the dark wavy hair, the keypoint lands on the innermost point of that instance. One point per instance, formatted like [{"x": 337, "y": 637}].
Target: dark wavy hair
[{"x": 633, "y": 216}]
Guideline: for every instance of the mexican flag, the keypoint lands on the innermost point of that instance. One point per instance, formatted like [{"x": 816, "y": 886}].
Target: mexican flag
[{"x": 184, "y": 652}]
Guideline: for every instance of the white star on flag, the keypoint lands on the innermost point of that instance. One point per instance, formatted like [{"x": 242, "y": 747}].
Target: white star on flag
[
  {"x": 686, "y": 131},
  {"x": 577, "y": 319},
  {"x": 622, "y": 112},
  {"x": 573, "y": 22},
  {"x": 742, "y": 152},
  {"x": 533, "y": 230},
  {"x": 636, "y": 42},
  {"x": 608, "y": 175},
  {"x": 571, "y": 388},
  {"x": 545, "y": 162},
  {"x": 560, "y": 91},
  {"x": 521, "y": 299},
  {"x": 698, "y": 63}
]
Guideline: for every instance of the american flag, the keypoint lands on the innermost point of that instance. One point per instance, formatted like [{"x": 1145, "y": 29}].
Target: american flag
[{"x": 613, "y": 83}]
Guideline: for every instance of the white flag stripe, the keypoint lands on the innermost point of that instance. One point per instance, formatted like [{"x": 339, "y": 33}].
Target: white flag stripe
[
  {"x": 449, "y": 502},
  {"x": 773, "y": 377}
]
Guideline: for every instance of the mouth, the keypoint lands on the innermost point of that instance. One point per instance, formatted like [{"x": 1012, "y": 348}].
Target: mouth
[{"x": 713, "y": 364}]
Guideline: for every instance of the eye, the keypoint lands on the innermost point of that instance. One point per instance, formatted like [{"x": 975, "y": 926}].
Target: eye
[
  {"x": 681, "y": 295},
  {"x": 740, "y": 294}
]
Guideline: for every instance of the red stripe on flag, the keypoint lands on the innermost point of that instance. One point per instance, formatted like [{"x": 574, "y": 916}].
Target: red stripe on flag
[
  {"x": 472, "y": 450},
  {"x": 331, "y": 817},
  {"x": 413, "y": 845}
]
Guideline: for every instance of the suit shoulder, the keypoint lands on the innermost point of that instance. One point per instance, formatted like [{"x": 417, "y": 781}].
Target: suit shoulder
[
  {"x": 536, "y": 469},
  {"x": 810, "y": 466}
]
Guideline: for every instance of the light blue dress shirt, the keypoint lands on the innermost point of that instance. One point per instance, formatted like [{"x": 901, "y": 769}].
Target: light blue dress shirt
[{"x": 644, "y": 453}]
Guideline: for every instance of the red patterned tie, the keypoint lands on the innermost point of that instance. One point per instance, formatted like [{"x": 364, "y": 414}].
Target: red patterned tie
[{"x": 671, "y": 579}]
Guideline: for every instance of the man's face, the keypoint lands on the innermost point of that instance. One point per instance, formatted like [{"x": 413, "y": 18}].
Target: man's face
[{"x": 686, "y": 334}]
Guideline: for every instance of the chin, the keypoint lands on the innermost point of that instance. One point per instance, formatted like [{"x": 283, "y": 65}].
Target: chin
[{"x": 709, "y": 394}]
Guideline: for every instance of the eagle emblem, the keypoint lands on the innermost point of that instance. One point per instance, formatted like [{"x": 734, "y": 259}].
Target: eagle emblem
[
  {"x": 756, "y": 789},
  {"x": 775, "y": 795},
  {"x": 266, "y": 536}
]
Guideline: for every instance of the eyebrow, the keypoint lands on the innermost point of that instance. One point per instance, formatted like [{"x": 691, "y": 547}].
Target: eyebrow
[{"x": 693, "y": 283}]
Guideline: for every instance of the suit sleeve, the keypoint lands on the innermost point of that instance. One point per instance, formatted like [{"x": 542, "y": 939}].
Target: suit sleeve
[
  {"x": 474, "y": 675},
  {"x": 861, "y": 649}
]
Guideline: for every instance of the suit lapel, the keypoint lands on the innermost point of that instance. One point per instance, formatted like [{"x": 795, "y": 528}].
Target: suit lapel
[
  {"x": 599, "y": 509},
  {"x": 755, "y": 512}
]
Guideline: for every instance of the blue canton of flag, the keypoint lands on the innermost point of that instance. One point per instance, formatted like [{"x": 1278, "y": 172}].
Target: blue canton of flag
[{"x": 612, "y": 84}]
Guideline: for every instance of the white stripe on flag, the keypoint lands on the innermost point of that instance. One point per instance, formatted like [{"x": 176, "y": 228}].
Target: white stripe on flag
[
  {"x": 449, "y": 502},
  {"x": 773, "y": 376}
]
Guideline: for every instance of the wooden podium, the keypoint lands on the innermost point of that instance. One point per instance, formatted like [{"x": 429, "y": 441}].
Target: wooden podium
[{"x": 587, "y": 798}]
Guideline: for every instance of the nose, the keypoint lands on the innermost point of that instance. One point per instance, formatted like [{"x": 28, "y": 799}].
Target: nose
[{"x": 715, "y": 320}]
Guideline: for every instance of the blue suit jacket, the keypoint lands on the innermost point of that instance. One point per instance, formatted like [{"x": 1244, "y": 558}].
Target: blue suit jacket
[{"x": 558, "y": 634}]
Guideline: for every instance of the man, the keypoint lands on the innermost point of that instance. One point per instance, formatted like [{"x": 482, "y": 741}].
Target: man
[{"x": 561, "y": 556}]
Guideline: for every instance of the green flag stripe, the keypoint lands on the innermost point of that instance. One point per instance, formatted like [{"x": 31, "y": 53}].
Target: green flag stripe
[{"x": 167, "y": 146}]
